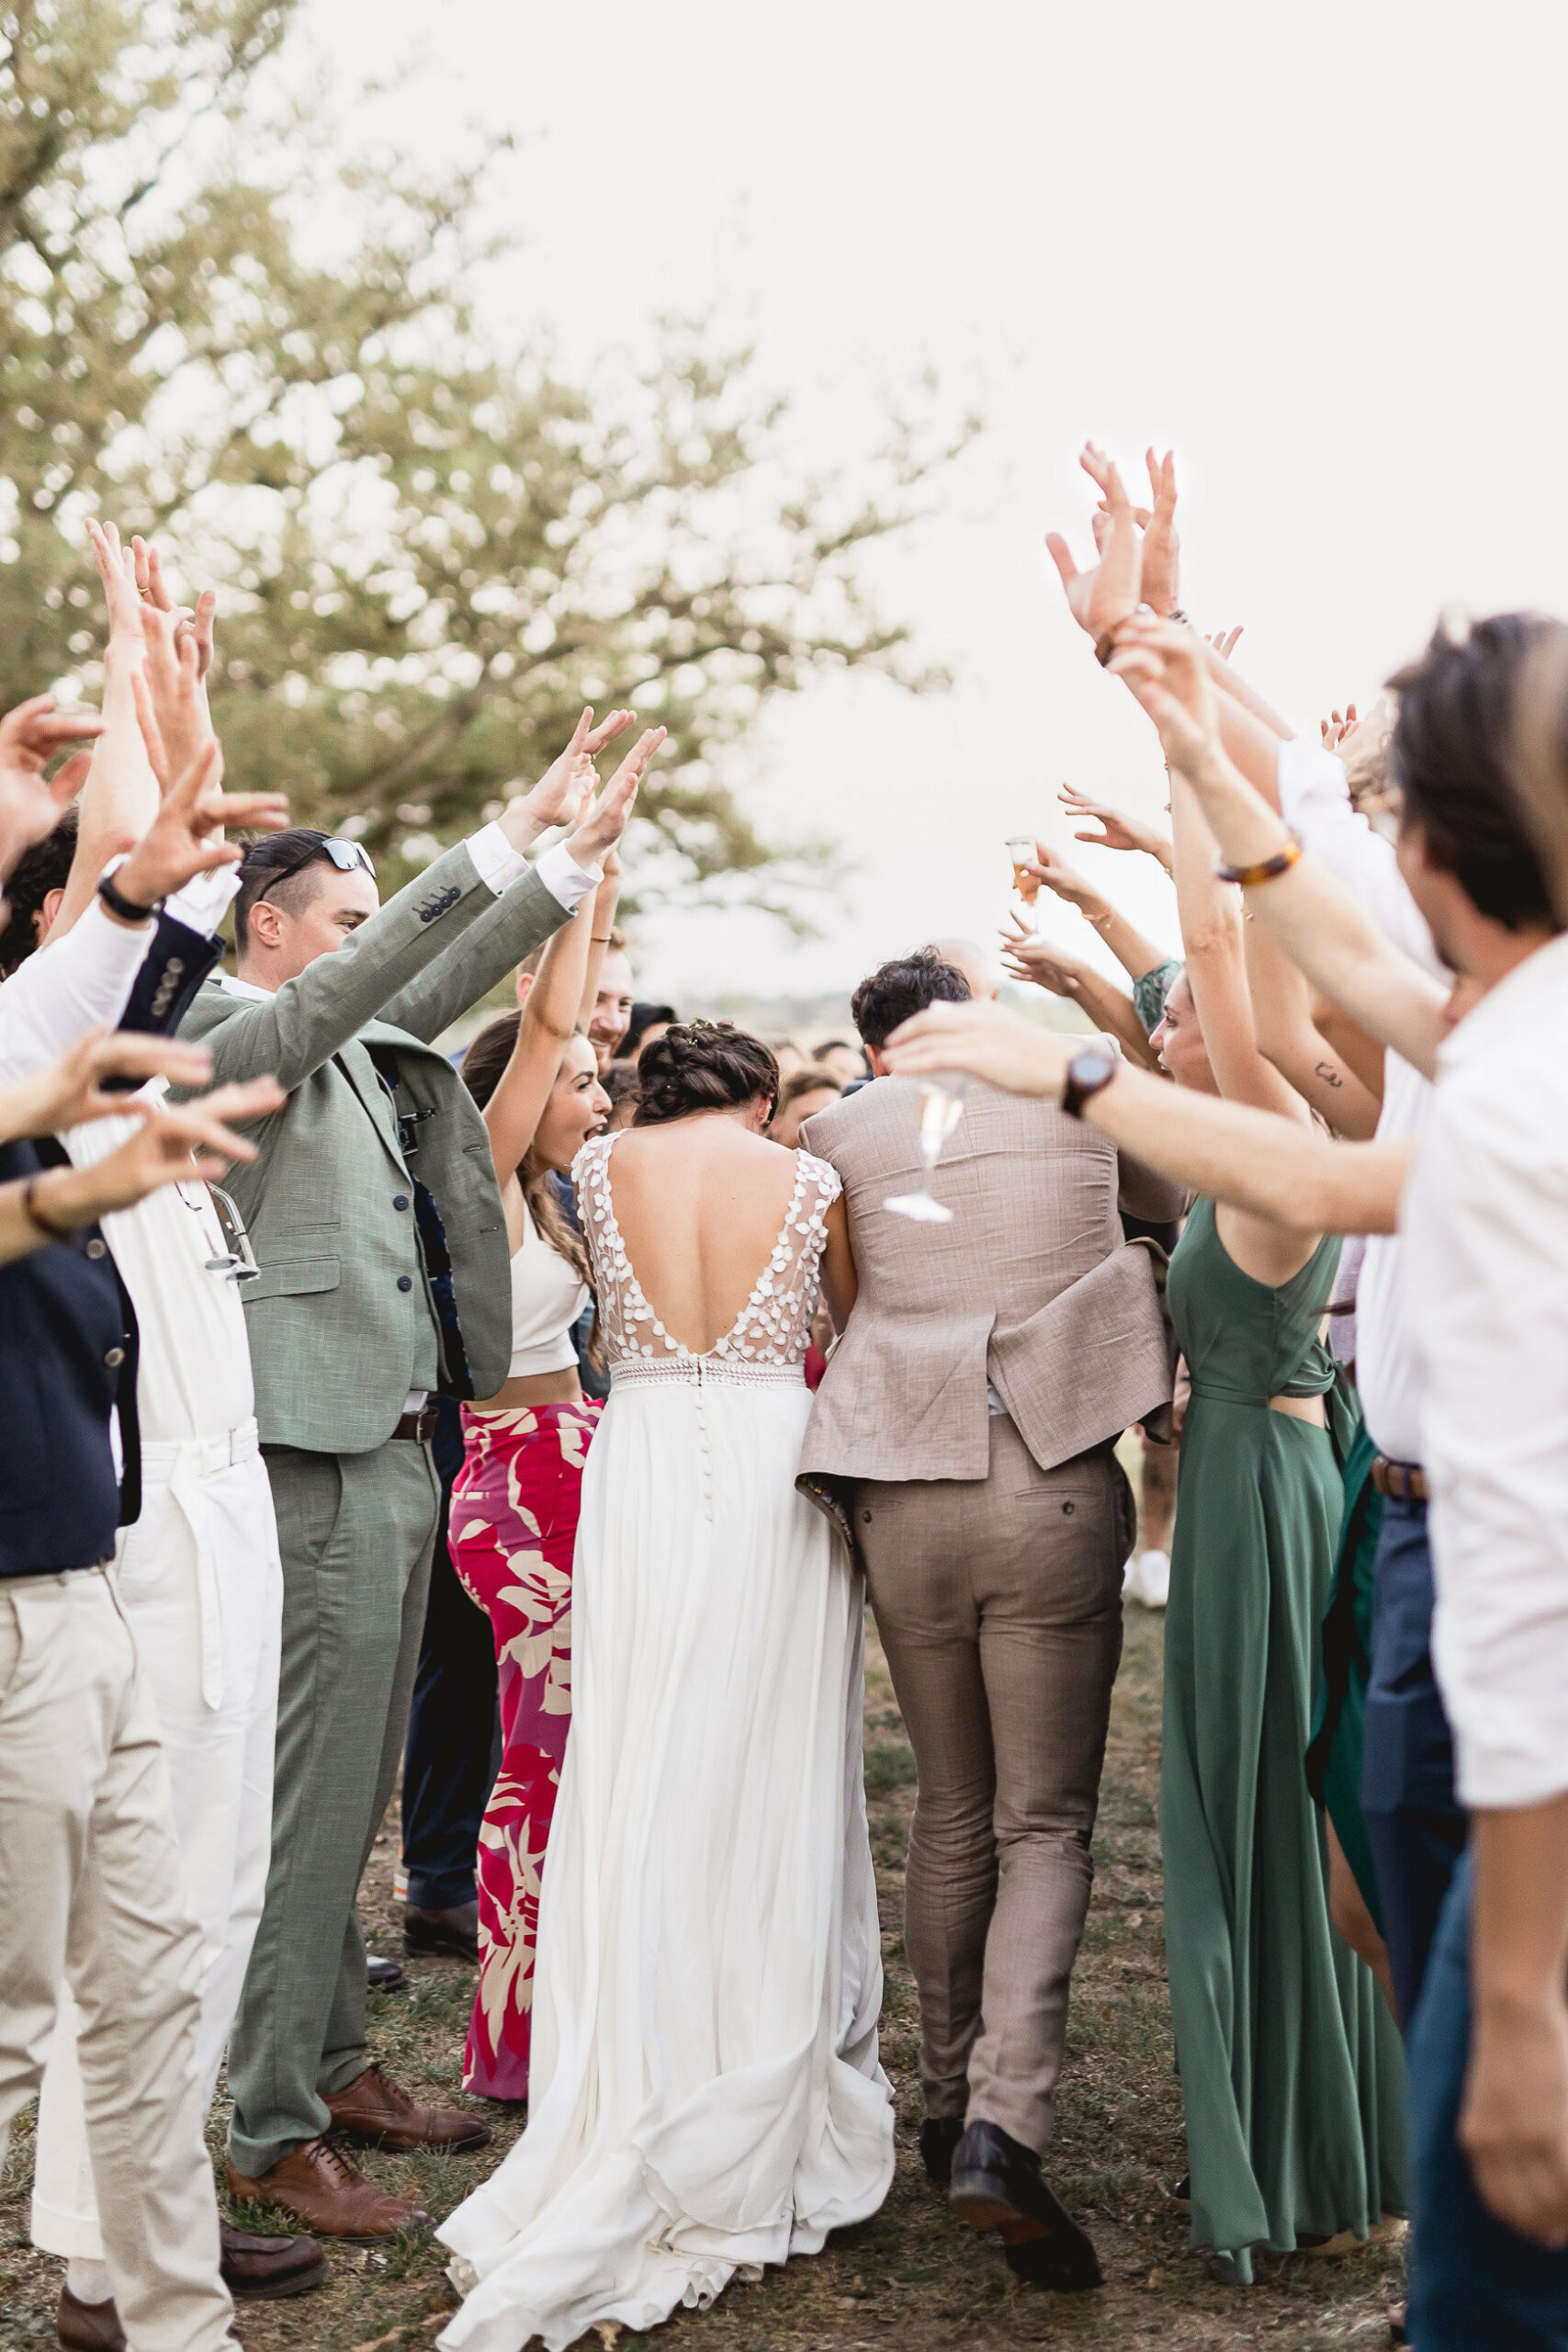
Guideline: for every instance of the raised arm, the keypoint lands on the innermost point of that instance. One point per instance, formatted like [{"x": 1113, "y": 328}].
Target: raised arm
[
  {"x": 120, "y": 796},
  {"x": 1278, "y": 1169},
  {"x": 1135, "y": 953},
  {"x": 1117, "y": 829},
  {"x": 549, "y": 1019},
  {"x": 1283, "y": 1017},
  {"x": 607, "y": 899},
  {"x": 1320, "y": 926},
  {"x": 1212, "y": 934}
]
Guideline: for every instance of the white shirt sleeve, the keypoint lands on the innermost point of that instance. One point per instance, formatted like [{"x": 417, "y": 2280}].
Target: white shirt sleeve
[
  {"x": 499, "y": 866},
  {"x": 1314, "y": 797},
  {"x": 202, "y": 903},
  {"x": 1486, "y": 1259},
  {"x": 83, "y": 981}
]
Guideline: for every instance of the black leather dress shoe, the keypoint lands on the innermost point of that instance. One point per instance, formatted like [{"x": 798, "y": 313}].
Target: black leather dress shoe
[
  {"x": 940, "y": 2135},
  {"x": 997, "y": 2184},
  {"x": 381, "y": 1974},
  {"x": 454, "y": 1933}
]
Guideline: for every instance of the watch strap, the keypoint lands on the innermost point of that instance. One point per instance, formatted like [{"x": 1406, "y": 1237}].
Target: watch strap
[
  {"x": 128, "y": 909},
  {"x": 1086, "y": 1073}
]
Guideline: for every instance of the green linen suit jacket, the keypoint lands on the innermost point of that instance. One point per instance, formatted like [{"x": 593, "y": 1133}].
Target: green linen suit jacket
[{"x": 341, "y": 1307}]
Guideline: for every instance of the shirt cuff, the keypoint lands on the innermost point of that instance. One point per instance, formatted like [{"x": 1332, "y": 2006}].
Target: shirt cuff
[
  {"x": 497, "y": 864},
  {"x": 203, "y": 901},
  {"x": 565, "y": 879}
]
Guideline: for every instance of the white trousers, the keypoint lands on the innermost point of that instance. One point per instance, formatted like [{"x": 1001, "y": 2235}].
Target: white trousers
[
  {"x": 91, "y": 1893},
  {"x": 200, "y": 1582}
]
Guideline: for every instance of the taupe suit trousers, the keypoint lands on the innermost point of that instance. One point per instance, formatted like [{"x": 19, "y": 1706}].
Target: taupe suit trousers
[{"x": 999, "y": 1604}]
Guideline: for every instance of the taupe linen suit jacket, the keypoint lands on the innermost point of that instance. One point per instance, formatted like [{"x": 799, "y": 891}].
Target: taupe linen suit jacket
[
  {"x": 341, "y": 1313},
  {"x": 1032, "y": 1286}
]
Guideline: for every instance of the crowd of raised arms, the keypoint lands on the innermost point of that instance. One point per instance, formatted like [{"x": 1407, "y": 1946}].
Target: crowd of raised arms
[{"x": 537, "y": 1420}]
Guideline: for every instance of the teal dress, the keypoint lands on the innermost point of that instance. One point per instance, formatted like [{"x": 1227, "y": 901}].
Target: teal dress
[{"x": 1292, "y": 2072}]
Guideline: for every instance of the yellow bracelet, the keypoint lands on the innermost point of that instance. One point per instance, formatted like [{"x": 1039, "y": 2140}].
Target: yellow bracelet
[{"x": 1267, "y": 869}]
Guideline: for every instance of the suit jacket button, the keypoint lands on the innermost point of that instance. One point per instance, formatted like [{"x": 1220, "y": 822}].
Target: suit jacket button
[
  {"x": 1068, "y": 1510},
  {"x": 114, "y": 1358},
  {"x": 405, "y": 1281},
  {"x": 399, "y": 1199},
  {"x": 96, "y": 1248}
]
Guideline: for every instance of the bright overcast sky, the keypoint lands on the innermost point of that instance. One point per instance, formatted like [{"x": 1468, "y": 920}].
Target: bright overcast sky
[{"x": 1320, "y": 251}]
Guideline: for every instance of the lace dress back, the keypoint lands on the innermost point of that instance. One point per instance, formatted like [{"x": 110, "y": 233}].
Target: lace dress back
[{"x": 767, "y": 1341}]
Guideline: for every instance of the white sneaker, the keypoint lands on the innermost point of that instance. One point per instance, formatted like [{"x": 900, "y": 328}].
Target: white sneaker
[{"x": 1147, "y": 1580}]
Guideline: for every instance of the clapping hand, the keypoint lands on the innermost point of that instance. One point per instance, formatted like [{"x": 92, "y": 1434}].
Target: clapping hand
[
  {"x": 568, "y": 784},
  {"x": 1101, "y": 598},
  {"x": 1117, "y": 829},
  {"x": 30, "y": 736},
  {"x": 606, "y": 821}
]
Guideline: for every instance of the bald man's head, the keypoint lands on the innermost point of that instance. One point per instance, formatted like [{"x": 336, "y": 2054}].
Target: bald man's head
[{"x": 966, "y": 957}]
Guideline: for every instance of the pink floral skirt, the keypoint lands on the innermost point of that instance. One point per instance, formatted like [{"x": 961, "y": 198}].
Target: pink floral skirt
[{"x": 513, "y": 1527}]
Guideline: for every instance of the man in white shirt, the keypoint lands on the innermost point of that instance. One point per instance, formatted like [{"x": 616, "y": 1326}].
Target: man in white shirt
[
  {"x": 374, "y": 1218},
  {"x": 1414, "y": 1826}
]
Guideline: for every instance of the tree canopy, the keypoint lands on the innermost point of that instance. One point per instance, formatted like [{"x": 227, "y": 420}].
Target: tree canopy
[{"x": 430, "y": 547}]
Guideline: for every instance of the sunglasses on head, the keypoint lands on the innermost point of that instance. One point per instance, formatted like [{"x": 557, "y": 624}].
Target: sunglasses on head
[{"x": 344, "y": 854}]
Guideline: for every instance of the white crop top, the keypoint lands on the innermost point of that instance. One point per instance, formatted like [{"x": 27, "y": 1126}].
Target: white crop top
[{"x": 546, "y": 1299}]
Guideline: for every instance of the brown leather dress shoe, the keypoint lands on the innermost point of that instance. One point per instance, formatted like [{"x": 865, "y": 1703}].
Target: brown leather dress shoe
[
  {"x": 263, "y": 2270},
  {"x": 88, "y": 2327},
  {"x": 319, "y": 2186},
  {"x": 454, "y": 1931},
  {"x": 376, "y": 2112}
]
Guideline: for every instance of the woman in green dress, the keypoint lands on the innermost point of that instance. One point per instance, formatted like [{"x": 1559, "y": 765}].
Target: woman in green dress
[{"x": 1292, "y": 2072}]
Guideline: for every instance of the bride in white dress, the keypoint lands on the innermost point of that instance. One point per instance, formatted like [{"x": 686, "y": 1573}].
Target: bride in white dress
[{"x": 706, "y": 2095}]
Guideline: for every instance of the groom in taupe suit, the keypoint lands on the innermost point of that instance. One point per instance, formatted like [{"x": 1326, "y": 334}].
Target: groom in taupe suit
[{"x": 968, "y": 1420}]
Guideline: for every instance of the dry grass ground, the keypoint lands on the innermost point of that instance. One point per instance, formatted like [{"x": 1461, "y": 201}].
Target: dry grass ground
[{"x": 913, "y": 2277}]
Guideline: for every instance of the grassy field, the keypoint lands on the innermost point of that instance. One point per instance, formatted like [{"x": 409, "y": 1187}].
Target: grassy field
[{"x": 913, "y": 2277}]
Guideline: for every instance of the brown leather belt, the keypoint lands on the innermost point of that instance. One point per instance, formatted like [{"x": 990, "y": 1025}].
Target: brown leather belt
[
  {"x": 1405, "y": 1481},
  {"x": 421, "y": 1427}
]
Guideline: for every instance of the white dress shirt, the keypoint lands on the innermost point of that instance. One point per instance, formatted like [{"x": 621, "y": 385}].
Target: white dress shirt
[
  {"x": 78, "y": 982},
  {"x": 1314, "y": 796},
  {"x": 1486, "y": 1228}
]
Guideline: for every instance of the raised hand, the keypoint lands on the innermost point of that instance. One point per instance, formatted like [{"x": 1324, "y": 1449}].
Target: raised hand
[
  {"x": 1226, "y": 640},
  {"x": 568, "y": 784},
  {"x": 1052, "y": 868},
  {"x": 70, "y": 1091},
  {"x": 30, "y": 736},
  {"x": 117, "y": 571},
  {"x": 606, "y": 821},
  {"x": 183, "y": 840},
  {"x": 1117, "y": 829},
  {"x": 1101, "y": 598},
  {"x": 1161, "y": 574},
  {"x": 1167, "y": 667},
  {"x": 985, "y": 1041},
  {"x": 1035, "y": 959},
  {"x": 1335, "y": 727}
]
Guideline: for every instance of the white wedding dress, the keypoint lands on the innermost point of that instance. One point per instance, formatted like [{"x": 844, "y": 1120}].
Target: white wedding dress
[{"x": 706, "y": 2090}]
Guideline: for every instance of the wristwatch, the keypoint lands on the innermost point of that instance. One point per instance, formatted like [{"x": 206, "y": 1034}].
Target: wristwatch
[
  {"x": 1086, "y": 1073},
  {"x": 119, "y": 904}
]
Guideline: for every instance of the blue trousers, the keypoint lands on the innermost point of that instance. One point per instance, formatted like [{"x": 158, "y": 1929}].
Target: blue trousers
[
  {"x": 450, "y": 1762},
  {"x": 1475, "y": 2286},
  {"x": 1414, "y": 1824}
]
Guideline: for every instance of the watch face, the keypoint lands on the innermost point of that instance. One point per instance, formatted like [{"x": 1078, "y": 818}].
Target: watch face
[{"x": 1091, "y": 1069}]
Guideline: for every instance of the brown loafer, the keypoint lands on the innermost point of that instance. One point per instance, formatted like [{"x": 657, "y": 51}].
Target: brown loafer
[
  {"x": 265, "y": 2270},
  {"x": 318, "y": 2186},
  {"x": 88, "y": 2327},
  {"x": 377, "y": 2113}
]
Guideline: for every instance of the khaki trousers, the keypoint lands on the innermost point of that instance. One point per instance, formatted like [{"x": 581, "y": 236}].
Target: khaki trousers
[
  {"x": 355, "y": 1533},
  {"x": 199, "y": 1579},
  {"x": 91, "y": 1892},
  {"x": 999, "y": 1609}
]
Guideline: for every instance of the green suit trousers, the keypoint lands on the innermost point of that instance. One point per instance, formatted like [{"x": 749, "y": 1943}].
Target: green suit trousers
[{"x": 356, "y": 1532}]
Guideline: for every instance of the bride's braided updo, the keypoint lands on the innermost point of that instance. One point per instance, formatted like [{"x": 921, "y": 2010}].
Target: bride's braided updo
[{"x": 701, "y": 1065}]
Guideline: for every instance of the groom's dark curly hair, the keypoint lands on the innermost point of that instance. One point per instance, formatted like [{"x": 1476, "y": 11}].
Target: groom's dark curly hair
[{"x": 896, "y": 992}]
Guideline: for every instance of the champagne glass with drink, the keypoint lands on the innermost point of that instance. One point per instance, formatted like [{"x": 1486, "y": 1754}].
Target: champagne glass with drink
[
  {"x": 1026, "y": 885},
  {"x": 941, "y": 1109}
]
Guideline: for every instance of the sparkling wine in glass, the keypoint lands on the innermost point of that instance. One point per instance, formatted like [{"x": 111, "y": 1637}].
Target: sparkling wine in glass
[
  {"x": 1025, "y": 885},
  {"x": 940, "y": 1111}
]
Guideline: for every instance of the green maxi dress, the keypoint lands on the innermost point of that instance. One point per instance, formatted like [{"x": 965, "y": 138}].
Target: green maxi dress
[{"x": 1292, "y": 2072}]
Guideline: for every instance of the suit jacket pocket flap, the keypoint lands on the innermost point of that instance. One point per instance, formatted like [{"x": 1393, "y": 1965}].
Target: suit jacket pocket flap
[{"x": 293, "y": 1278}]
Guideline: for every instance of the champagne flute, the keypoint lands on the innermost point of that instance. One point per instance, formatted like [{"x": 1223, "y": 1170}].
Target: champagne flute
[
  {"x": 1026, "y": 885},
  {"x": 940, "y": 1111}
]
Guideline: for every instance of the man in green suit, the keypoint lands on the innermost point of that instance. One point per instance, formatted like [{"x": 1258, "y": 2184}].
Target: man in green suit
[{"x": 374, "y": 1216}]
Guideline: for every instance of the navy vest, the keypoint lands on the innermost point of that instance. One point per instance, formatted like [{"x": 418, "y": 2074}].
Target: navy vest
[{"x": 67, "y": 1359}]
